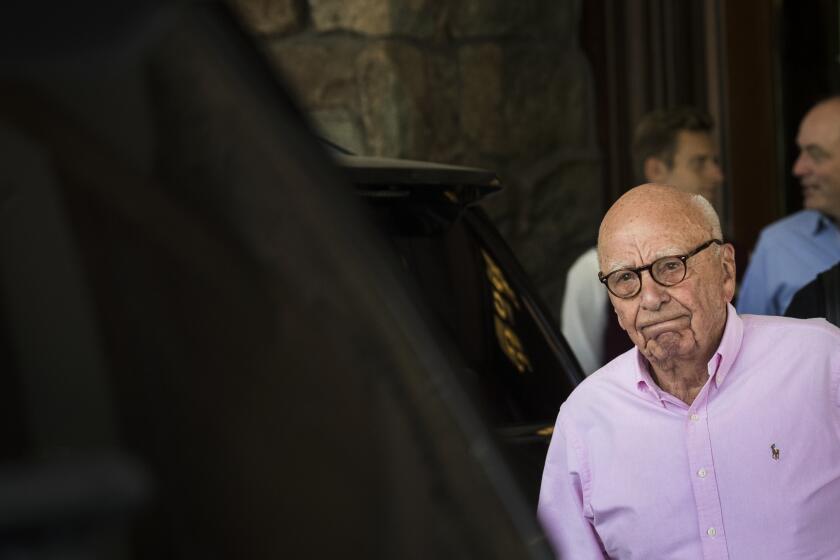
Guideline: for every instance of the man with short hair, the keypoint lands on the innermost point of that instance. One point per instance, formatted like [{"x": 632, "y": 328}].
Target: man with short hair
[
  {"x": 676, "y": 147},
  {"x": 671, "y": 146},
  {"x": 716, "y": 436},
  {"x": 792, "y": 251}
]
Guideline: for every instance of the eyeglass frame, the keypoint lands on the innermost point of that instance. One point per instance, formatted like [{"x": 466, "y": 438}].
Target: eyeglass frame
[{"x": 649, "y": 267}]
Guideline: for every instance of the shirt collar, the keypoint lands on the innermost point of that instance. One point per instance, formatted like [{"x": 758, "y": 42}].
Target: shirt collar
[
  {"x": 643, "y": 378},
  {"x": 719, "y": 365},
  {"x": 821, "y": 222},
  {"x": 730, "y": 345}
]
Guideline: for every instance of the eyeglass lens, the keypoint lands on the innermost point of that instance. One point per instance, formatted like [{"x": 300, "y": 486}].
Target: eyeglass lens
[{"x": 667, "y": 271}]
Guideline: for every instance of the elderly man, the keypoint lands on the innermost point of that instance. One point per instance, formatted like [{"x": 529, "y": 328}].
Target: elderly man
[
  {"x": 673, "y": 146},
  {"x": 716, "y": 436},
  {"x": 791, "y": 252}
]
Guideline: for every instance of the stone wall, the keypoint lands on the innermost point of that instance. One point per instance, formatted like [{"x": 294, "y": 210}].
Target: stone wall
[{"x": 498, "y": 84}]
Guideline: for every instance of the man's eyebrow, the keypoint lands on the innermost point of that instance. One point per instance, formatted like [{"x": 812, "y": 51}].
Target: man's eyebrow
[
  {"x": 815, "y": 150},
  {"x": 613, "y": 266},
  {"x": 810, "y": 147},
  {"x": 623, "y": 265}
]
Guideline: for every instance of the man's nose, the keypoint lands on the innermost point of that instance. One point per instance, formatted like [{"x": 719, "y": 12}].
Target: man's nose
[
  {"x": 801, "y": 166},
  {"x": 652, "y": 294},
  {"x": 716, "y": 173}
]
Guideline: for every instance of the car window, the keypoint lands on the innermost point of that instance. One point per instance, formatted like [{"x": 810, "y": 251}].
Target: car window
[{"x": 483, "y": 302}]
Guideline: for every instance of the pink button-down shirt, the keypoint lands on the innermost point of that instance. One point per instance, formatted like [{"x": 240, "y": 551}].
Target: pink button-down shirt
[{"x": 750, "y": 470}]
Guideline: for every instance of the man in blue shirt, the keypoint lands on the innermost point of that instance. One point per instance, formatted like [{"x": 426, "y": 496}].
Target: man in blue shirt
[{"x": 792, "y": 251}]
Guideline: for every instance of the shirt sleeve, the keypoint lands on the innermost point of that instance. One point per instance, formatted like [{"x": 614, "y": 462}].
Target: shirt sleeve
[
  {"x": 562, "y": 509},
  {"x": 754, "y": 295},
  {"x": 583, "y": 317}
]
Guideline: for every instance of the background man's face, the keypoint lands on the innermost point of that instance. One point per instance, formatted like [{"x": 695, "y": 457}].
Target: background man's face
[
  {"x": 818, "y": 164},
  {"x": 695, "y": 168}
]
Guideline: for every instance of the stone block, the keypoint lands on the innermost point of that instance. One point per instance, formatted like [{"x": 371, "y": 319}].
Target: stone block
[
  {"x": 269, "y": 17},
  {"x": 320, "y": 70},
  {"x": 442, "y": 136},
  {"x": 371, "y": 17},
  {"x": 404, "y": 99},
  {"x": 418, "y": 18},
  {"x": 547, "y": 99},
  {"x": 340, "y": 126},
  {"x": 556, "y": 20},
  {"x": 482, "y": 97},
  {"x": 408, "y": 101},
  {"x": 383, "y": 101}
]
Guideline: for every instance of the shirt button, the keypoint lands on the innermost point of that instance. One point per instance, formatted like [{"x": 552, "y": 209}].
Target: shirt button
[
  {"x": 711, "y": 532},
  {"x": 695, "y": 417},
  {"x": 701, "y": 473}
]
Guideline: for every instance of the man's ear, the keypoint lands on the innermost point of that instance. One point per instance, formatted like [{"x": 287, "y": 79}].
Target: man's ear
[
  {"x": 655, "y": 170},
  {"x": 728, "y": 266}
]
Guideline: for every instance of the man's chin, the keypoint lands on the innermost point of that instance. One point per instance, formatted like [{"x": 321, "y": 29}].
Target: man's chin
[
  {"x": 664, "y": 347},
  {"x": 811, "y": 200}
]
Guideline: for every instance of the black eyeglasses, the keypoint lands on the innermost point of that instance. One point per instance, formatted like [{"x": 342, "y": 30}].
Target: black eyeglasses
[{"x": 667, "y": 271}]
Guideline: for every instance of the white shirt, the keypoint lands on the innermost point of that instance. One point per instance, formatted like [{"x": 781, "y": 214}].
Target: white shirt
[{"x": 584, "y": 317}]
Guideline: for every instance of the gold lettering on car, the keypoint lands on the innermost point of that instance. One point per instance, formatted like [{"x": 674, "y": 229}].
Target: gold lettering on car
[
  {"x": 502, "y": 307},
  {"x": 504, "y": 304}
]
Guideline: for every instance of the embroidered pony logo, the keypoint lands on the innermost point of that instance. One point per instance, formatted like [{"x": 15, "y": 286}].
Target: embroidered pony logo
[{"x": 774, "y": 452}]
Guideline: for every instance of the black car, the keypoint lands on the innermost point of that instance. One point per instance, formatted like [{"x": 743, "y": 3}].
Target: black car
[{"x": 477, "y": 292}]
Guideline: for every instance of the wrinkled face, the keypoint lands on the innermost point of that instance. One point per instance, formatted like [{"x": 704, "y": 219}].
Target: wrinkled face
[
  {"x": 818, "y": 164},
  {"x": 684, "y": 321},
  {"x": 696, "y": 167}
]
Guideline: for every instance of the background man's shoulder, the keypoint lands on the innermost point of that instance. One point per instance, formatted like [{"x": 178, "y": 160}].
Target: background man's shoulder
[{"x": 802, "y": 221}]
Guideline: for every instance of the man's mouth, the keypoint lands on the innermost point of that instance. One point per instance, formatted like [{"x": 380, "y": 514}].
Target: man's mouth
[{"x": 655, "y": 328}]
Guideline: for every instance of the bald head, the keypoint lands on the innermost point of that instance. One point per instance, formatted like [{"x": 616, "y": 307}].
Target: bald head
[
  {"x": 660, "y": 205},
  {"x": 818, "y": 164},
  {"x": 823, "y": 120},
  {"x": 829, "y": 107}
]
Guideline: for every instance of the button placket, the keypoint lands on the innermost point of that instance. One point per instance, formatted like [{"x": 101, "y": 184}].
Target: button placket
[{"x": 703, "y": 480}]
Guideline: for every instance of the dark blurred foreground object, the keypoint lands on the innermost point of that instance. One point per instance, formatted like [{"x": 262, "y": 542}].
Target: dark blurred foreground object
[
  {"x": 206, "y": 351},
  {"x": 819, "y": 298}
]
